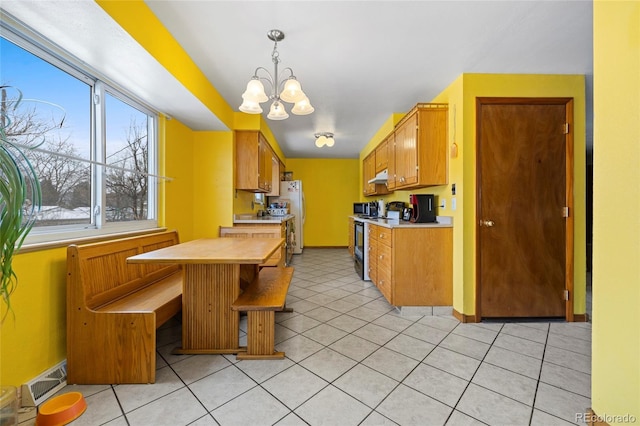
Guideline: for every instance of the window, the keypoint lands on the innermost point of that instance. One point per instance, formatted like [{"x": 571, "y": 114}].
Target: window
[{"x": 92, "y": 147}]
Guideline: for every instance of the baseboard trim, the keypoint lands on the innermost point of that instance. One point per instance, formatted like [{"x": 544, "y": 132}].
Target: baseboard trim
[
  {"x": 464, "y": 318},
  {"x": 580, "y": 317},
  {"x": 326, "y": 247},
  {"x": 472, "y": 318}
]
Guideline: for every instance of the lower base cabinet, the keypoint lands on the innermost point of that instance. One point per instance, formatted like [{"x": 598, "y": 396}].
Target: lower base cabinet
[{"x": 412, "y": 266}]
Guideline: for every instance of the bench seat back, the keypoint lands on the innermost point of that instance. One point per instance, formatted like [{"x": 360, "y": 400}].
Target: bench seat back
[{"x": 99, "y": 273}]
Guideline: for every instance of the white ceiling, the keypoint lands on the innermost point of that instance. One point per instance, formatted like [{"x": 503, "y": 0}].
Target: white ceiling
[{"x": 358, "y": 61}]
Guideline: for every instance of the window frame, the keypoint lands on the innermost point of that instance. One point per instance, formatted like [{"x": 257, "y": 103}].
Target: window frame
[{"x": 98, "y": 227}]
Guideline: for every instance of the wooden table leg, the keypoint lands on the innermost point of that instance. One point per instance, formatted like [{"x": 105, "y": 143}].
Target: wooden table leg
[{"x": 209, "y": 326}]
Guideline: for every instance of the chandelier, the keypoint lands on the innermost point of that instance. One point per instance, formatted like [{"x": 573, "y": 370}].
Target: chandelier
[
  {"x": 324, "y": 138},
  {"x": 288, "y": 89}
]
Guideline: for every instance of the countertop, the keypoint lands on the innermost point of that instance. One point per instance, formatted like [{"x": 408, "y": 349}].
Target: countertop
[
  {"x": 441, "y": 222},
  {"x": 251, "y": 218}
]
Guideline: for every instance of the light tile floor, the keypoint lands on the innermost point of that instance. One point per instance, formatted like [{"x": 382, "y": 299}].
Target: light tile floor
[{"x": 352, "y": 359}]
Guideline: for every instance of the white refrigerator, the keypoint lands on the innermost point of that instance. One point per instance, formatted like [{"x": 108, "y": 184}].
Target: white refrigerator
[{"x": 292, "y": 191}]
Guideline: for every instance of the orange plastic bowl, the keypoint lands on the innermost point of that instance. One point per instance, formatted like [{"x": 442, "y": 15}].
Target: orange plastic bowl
[{"x": 61, "y": 410}]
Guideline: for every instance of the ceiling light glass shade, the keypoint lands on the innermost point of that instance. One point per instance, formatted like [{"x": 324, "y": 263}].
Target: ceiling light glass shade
[
  {"x": 321, "y": 141},
  {"x": 250, "y": 107},
  {"x": 255, "y": 91},
  {"x": 302, "y": 107},
  {"x": 292, "y": 91},
  {"x": 277, "y": 112},
  {"x": 330, "y": 141}
]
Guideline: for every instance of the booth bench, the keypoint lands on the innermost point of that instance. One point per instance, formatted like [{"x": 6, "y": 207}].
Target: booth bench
[{"x": 114, "y": 309}]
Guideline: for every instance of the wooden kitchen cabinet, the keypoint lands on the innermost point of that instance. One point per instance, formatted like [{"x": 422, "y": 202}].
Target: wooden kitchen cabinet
[
  {"x": 421, "y": 147},
  {"x": 414, "y": 154},
  {"x": 391, "y": 161},
  {"x": 382, "y": 162},
  {"x": 406, "y": 152},
  {"x": 412, "y": 266},
  {"x": 253, "y": 161},
  {"x": 277, "y": 174},
  {"x": 372, "y": 252},
  {"x": 368, "y": 173}
]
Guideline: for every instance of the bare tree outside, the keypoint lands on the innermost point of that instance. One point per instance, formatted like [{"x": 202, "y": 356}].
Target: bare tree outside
[
  {"x": 127, "y": 182},
  {"x": 60, "y": 175},
  {"x": 65, "y": 177}
]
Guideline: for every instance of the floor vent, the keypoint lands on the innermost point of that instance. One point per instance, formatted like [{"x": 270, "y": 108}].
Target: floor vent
[{"x": 46, "y": 384}]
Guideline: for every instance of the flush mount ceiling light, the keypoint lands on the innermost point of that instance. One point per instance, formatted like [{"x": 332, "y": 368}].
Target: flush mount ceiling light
[
  {"x": 324, "y": 138},
  {"x": 287, "y": 90}
]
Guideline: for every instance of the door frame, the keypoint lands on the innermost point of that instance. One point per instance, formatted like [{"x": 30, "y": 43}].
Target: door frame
[{"x": 569, "y": 178}]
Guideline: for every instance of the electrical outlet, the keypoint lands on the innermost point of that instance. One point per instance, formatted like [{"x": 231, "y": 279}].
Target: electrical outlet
[{"x": 443, "y": 203}]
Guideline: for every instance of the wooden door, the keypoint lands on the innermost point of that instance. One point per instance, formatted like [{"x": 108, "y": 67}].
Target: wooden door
[
  {"x": 264, "y": 166},
  {"x": 369, "y": 172},
  {"x": 381, "y": 157},
  {"x": 525, "y": 249},
  {"x": 407, "y": 152},
  {"x": 391, "y": 162}
]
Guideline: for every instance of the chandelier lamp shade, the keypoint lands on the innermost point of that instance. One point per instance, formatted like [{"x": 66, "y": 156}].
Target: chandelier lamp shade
[
  {"x": 324, "y": 138},
  {"x": 287, "y": 89}
]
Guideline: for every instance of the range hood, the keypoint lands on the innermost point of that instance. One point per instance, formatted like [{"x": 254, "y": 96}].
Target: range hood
[{"x": 381, "y": 178}]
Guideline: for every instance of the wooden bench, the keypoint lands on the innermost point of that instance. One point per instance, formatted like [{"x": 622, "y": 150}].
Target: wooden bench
[
  {"x": 264, "y": 296},
  {"x": 114, "y": 309}
]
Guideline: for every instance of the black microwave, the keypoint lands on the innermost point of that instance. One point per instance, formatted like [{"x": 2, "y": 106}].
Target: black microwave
[{"x": 365, "y": 209}]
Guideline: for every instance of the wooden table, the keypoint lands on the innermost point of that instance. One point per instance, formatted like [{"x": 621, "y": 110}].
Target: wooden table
[{"x": 213, "y": 269}]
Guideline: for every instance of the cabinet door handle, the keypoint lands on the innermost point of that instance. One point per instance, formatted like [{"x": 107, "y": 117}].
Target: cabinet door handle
[{"x": 381, "y": 235}]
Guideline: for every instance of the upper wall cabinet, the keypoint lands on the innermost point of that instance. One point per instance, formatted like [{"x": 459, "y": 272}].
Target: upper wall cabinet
[
  {"x": 254, "y": 162},
  {"x": 369, "y": 170},
  {"x": 277, "y": 175},
  {"x": 390, "y": 141},
  {"x": 421, "y": 147},
  {"x": 382, "y": 157},
  {"x": 414, "y": 154}
]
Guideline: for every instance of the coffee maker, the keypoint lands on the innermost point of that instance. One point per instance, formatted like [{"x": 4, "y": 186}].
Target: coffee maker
[{"x": 424, "y": 208}]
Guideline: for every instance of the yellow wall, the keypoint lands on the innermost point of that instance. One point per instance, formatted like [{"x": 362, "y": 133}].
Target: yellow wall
[
  {"x": 212, "y": 163},
  {"x": 330, "y": 186},
  {"x": 616, "y": 212},
  {"x": 36, "y": 340},
  {"x": 461, "y": 97},
  {"x": 176, "y": 159}
]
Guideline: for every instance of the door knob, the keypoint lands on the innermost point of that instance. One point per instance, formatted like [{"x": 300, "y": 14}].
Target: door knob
[{"x": 487, "y": 223}]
